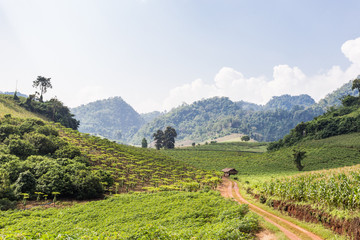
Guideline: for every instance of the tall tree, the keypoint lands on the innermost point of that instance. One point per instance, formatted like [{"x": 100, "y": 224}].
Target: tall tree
[
  {"x": 169, "y": 138},
  {"x": 159, "y": 139},
  {"x": 43, "y": 83},
  {"x": 298, "y": 157},
  {"x": 144, "y": 143}
]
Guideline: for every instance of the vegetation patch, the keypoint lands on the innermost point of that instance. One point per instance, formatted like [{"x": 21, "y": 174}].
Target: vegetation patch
[{"x": 166, "y": 215}]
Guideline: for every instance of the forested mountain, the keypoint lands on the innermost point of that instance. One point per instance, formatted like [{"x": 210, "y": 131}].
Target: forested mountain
[
  {"x": 112, "y": 118},
  {"x": 206, "y": 119},
  {"x": 287, "y": 102},
  {"x": 333, "y": 99},
  {"x": 336, "y": 121},
  {"x": 148, "y": 117},
  {"x": 219, "y": 116}
]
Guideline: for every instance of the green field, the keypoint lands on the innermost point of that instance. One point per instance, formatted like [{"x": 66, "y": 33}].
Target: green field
[
  {"x": 166, "y": 215},
  {"x": 333, "y": 152}
]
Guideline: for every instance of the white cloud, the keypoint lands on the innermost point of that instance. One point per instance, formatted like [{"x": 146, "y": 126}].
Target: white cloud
[{"x": 285, "y": 80}]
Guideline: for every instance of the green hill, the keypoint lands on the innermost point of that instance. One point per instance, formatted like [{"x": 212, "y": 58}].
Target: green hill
[
  {"x": 41, "y": 160},
  {"x": 41, "y": 156},
  {"x": 334, "y": 98},
  {"x": 112, "y": 118},
  {"x": 336, "y": 121},
  {"x": 288, "y": 102},
  {"x": 9, "y": 106}
]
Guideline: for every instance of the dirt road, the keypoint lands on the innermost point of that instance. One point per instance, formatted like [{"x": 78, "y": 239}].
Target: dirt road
[{"x": 291, "y": 230}]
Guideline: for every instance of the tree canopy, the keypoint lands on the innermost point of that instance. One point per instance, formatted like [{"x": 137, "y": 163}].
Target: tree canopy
[{"x": 43, "y": 83}]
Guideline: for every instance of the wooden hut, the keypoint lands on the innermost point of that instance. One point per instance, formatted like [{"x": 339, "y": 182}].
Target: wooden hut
[{"x": 229, "y": 171}]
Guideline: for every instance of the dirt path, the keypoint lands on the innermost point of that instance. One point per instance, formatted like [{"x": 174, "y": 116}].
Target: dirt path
[{"x": 291, "y": 230}]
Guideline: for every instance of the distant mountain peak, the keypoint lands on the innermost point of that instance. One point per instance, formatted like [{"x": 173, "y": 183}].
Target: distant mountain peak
[
  {"x": 112, "y": 118},
  {"x": 288, "y": 102}
]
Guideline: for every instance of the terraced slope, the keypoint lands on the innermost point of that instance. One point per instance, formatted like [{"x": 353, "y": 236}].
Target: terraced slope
[{"x": 134, "y": 168}]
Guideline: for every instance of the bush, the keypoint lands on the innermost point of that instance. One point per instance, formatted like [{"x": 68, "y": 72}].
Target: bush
[
  {"x": 29, "y": 125},
  {"x": 43, "y": 144},
  {"x": 47, "y": 131},
  {"x": 6, "y": 204},
  {"x": 68, "y": 151},
  {"x": 87, "y": 185},
  {"x": 21, "y": 148},
  {"x": 25, "y": 183},
  {"x": 6, "y": 130}
]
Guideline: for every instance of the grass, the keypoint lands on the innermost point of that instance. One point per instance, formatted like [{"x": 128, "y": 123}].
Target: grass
[
  {"x": 8, "y": 106},
  {"x": 256, "y": 167}
]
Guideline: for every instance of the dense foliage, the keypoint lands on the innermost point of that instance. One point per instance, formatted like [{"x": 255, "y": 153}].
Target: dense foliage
[
  {"x": 336, "y": 121},
  {"x": 112, "y": 118},
  {"x": 148, "y": 117},
  {"x": 288, "y": 102},
  {"x": 216, "y": 117},
  {"x": 167, "y": 215},
  {"x": 33, "y": 158}
]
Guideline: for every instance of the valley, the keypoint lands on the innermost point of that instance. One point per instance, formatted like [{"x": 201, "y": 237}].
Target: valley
[{"x": 144, "y": 193}]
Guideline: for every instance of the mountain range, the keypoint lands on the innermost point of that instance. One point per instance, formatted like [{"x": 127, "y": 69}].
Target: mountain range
[{"x": 206, "y": 119}]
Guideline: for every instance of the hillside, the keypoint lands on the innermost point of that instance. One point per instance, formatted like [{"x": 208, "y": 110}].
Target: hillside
[
  {"x": 41, "y": 156},
  {"x": 336, "y": 121},
  {"x": 288, "y": 102},
  {"x": 334, "y": 98},
  {"x": 9, "y": 106},
  {"x": 148, "y": 117},
  {"x": 219, "y": 116},
  {"x": 112, "y": 118}
]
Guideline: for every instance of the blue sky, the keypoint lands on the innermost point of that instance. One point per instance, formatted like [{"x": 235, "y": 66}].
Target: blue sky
[{"x": 157, "y": 54}]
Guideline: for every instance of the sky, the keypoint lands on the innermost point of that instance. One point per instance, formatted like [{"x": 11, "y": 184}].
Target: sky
[{"x": 158, "y": 54}]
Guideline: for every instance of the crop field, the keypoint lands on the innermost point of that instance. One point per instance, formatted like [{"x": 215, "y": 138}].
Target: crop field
[
  {"x": 339, "y": 188},
  {"x": 165, "y": 215},
  {"x": 137, "y": 169}
]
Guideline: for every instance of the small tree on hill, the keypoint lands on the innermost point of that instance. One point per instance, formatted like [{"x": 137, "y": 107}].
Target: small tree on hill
[
  {"x": 144, "y": 143},
  {"x": 158, "y": 138},
  {"x": 43, "y": 83},
  {"x": 298, "y": 156},
  {"x": 245, "y": 138}
]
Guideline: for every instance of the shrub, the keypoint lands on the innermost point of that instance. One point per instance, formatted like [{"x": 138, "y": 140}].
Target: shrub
[
  {"x": 6, "y": 204},
  {"x": 47, "y": 130},
  {"x": 68, "y": 151},
  {"x": 6, "y": 130},
  {"x": 43, "y": 144},
  {"x": 25, "y": 183},
  {"x": 21, "y": 148}
]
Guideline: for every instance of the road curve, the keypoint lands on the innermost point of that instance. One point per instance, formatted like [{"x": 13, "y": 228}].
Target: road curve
[{"x": 290, "y": 230}]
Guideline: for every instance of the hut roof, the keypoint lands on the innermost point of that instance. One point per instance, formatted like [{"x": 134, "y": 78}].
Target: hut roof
[{"x": 228, "y": 169}]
